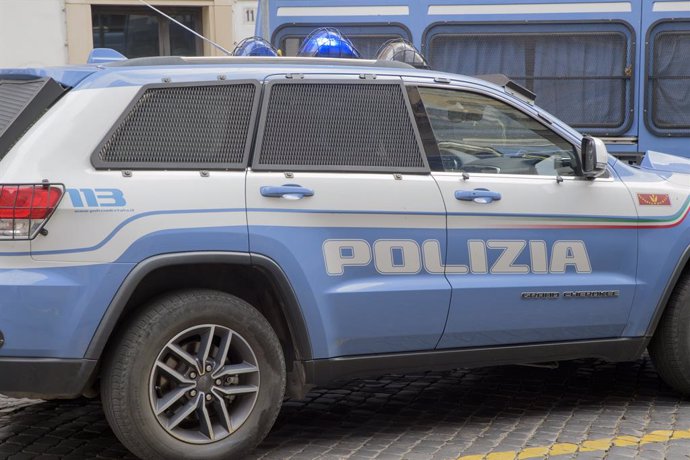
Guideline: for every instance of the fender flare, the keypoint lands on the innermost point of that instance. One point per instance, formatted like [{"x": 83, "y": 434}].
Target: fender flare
[
  {"x": 666, "y": 294},
  {"x": 292, "y": 310}
]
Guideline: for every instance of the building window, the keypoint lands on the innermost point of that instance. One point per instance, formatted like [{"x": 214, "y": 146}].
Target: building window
[{"x": 140, "y": 31}]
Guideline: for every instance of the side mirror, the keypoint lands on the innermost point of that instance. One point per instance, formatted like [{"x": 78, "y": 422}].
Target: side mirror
[{"x": 594, "y": 157}]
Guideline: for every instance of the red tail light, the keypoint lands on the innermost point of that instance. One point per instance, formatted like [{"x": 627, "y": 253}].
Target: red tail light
[
  {"x": 28, "y": 201},
  {"x": 24, "y": 209}
]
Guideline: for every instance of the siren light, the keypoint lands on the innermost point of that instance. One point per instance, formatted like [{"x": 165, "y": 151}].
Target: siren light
[
  {"x": 328, "y": 42},
  {"x": 401, "y": 50},
  {"x": 254, "y": 46}
]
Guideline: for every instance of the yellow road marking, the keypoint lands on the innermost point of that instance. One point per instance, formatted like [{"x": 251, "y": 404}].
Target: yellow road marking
[
  {"x": 596, "y": 445},
  {"x": 533, "y": 452},
  {"x": 563, "y": 448}
]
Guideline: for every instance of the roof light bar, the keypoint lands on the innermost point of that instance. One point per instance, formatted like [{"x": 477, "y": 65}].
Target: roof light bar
[
  {"x": 254, "y": 46},
  {"x": 401, "y": 50},
  {"x": 328, "y": 42}
]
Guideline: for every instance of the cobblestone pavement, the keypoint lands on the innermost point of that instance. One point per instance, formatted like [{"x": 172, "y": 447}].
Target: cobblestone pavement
[{"x": 582, "y": 410}]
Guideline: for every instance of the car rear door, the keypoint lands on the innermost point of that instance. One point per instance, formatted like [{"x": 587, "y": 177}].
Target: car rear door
[{"x": 339, "y": 194}]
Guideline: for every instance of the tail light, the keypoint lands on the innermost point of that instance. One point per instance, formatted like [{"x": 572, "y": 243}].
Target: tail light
[{"x": 25, "y": 209}]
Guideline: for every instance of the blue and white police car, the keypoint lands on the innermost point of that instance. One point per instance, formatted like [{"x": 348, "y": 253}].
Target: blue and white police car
[{"x": 195, "y": 238}]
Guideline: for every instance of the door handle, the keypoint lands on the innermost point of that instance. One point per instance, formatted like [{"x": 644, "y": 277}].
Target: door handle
[
  {"x": 287, "y": 191},
  {"x": 478, "y": 195}
]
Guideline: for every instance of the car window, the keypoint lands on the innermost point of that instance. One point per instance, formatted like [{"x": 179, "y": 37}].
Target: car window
[
  {"x": 475, "y": 133},
  {"x": 341, "y": 125},
  {"x": 204, "y": 125}
]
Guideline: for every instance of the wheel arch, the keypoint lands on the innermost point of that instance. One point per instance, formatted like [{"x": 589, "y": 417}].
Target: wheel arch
[
  {"x": 288, "y": 321},
  {"x": 682, "y": 266}
]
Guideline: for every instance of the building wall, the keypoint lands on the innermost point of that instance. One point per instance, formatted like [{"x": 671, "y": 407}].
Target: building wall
[
  {"x": 57, "y": 32},
  {"x": 244, "y": 19},
  {"x": 32, "y": 33},
  {"x": 219, "y": 24}
]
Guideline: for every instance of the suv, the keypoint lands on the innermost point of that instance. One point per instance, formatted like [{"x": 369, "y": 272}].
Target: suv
[{"x": 194, "y": 238}]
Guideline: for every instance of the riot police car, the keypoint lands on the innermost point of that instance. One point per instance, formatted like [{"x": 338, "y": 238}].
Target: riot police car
[{"x": 196, "y": 238}]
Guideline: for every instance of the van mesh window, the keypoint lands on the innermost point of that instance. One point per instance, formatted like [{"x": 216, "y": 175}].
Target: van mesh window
[
  {"x": 314, "y": 126},
  {"x": 583, "y": 78},
  {"x": 184, "y": 126},
  {"x": 670, "y": 80}
]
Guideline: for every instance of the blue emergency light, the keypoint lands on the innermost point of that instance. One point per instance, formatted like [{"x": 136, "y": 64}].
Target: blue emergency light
[
  {"x": 254, "y": 46},
  {"x": 401, "y": 50},
  {"x": 329, "y": 43}
]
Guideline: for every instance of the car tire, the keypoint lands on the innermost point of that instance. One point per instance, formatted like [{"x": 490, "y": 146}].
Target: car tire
[
  {"x": 670, "y": 346},
  {"x": 206, "y": 351}
]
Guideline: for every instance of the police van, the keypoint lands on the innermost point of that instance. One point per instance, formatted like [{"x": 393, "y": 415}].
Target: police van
[
  {"x": 615, "y": 69},
  {"x": 193, "y": 239}
]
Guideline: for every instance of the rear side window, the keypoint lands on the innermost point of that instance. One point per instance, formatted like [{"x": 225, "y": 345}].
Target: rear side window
[
  {"x": 668, "y": 91},
  {"x": 22, "y": 103},
  {"x": 189, "y": 126},
  {"x": 351, "y": 126},
  {"x": 582, "y": 73}
]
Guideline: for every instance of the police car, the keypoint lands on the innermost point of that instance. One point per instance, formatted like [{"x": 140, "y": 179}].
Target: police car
[{"x": 196, "y": 238}]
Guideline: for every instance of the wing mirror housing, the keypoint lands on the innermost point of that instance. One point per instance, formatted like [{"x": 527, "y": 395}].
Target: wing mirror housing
[{"x": 594, "y": 157}]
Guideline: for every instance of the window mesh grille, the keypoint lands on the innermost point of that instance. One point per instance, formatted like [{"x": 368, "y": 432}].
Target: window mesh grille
[
  {"x": 583, "y": 78},
  {"x": 340, "y": 126},
  {"x": 23, "y": 103},
  {"x": 14, "y": 96},
  {"x": 670, "y": 80},
  {"x": 185, "y": 125}
]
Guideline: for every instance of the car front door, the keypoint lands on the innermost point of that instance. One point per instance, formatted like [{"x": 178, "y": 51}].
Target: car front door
[
  {"x": 536, "y": 253},
  {"x": 340, "y": 196}
]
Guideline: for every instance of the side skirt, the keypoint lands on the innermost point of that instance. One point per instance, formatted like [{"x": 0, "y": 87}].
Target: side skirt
[
  {"x": 44, "y": 378},
  {"x": 322, "y": 371}
]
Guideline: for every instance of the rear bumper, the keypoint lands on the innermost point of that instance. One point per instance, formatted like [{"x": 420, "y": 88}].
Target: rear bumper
[{"x": 45, "y": 378}]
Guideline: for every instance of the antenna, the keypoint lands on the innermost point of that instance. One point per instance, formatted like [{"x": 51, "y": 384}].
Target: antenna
[{"x": 214, "y": 44}]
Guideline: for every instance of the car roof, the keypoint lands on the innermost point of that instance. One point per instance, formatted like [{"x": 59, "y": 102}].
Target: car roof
[
  {"x": 254, "y": 60},
  {"x": 68, "y": 76},
  {"x": 72, "y": 75},
  {"x": 177, "y": 69}
]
